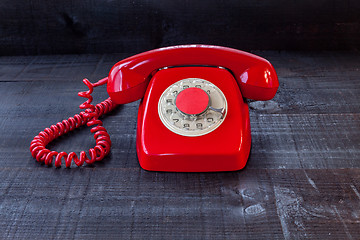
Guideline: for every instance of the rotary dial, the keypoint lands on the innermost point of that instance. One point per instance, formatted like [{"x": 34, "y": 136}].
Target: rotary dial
[{"x": 192, "y": 107}]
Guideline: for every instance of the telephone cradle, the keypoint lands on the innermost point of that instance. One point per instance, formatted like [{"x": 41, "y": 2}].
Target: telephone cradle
[{"x": 192, "y": 115}]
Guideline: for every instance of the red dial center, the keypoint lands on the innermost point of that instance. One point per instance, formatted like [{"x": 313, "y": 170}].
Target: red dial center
[{"x": 192, "y": 100}]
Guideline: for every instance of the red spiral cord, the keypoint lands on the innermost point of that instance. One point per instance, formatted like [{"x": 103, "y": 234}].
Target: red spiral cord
[{"x": 90, "y": 117}]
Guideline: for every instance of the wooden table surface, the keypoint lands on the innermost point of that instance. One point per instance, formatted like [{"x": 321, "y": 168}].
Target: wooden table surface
[{"x": 302, "y": 180}]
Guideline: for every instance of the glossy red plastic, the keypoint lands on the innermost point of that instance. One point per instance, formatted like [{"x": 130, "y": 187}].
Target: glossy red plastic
[
  {"x": 192, "y": 101},
  {"x": 90, "y": 116},
  {"x": 256, "y": 77},
  {"x": 224, "y": 149}
]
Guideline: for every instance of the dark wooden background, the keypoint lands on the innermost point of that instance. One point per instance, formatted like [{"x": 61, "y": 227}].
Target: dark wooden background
[
  {"x": 302, "y": 180},
  {"x": 88, "y": 26}
]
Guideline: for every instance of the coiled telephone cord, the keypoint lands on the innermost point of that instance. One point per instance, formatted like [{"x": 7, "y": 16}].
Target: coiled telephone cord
[{"x": 90, "y": 117}]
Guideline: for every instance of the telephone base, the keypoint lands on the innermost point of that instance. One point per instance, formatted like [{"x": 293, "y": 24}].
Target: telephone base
[{"x": 225, "y": 148}]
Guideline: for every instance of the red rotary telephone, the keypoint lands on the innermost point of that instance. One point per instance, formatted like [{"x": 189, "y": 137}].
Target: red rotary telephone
[{"x": 192, "y": 117}]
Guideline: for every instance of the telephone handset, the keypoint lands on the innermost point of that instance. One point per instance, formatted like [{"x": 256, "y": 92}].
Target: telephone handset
[
  {"x": 128, "y": 79},
  {"x": 192, "y": 117}
]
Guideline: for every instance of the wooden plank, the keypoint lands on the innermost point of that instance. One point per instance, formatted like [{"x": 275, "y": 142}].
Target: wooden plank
[
  {"x": 57, "y": 67},
  {"x": 123, "y": 203},
  {"x": 327, "y": 67},
  {"x": 296, "y": 70},
  {"x": 302, "y": 69},
  {"x": 98, "y": 27},
  {"x": 279, "y": 140},
  {"x": 305, "y": 211},
  {"x": 17, "y": 96},
  {"x": 312, "y": 141},
  {"x": 276, "y": 141},
  {"x": 309, "y": 84}
]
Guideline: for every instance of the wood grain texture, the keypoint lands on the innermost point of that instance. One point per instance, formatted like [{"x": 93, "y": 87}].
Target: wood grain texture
[
  {"x": 302, "y": 180},
  {"x": 37, "y": 202},
  {"x": 52, "y": 27}
]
